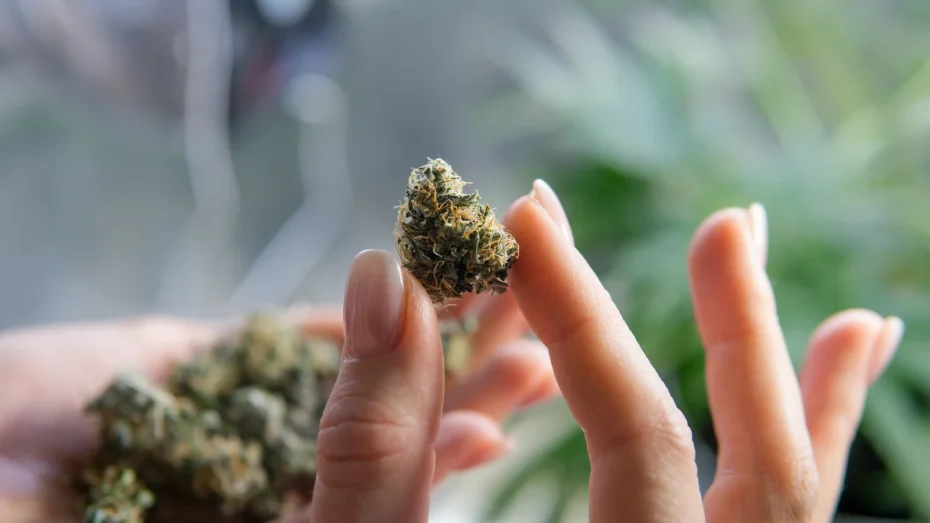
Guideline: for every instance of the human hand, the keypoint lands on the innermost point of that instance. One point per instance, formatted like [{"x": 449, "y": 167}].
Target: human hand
[
  {"x": 48, "y": 374},
  {"x": 784, "y": 441}
]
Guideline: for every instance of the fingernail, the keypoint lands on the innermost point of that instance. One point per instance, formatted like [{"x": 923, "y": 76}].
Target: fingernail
[
  {"x": 547, "y": 198},
  {"x": 759, "y": 228},
  {"x": 886, "y": 346},
  {"x": 374, "y": 305},
  {"x": 503, "y": 448}
]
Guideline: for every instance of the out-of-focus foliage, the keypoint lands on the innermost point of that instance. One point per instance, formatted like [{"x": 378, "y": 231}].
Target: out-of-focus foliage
[{"x": 656, "y": 114}]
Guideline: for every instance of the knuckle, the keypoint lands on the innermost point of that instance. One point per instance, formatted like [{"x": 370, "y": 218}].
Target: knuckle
[
  {"x": 360, "y": 440},
  {"x": 663, "y": 432},
  {"x": 740, "y": 336},
  {"x": 672, "y": 432},
  {"x": 795, "y": 489}
]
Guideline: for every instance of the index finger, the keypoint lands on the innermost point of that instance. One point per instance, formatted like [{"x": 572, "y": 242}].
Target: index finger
[{"x": 640, "y": 447}]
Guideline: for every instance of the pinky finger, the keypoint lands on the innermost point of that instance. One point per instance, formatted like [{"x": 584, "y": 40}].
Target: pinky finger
[{"x": 834, "y": 382}]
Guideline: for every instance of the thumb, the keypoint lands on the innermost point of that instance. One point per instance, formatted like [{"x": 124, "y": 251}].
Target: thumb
[{"x": 375, "y": 454}]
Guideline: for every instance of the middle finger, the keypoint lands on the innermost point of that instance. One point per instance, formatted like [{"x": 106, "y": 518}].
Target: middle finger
[
  {"x": 766, "y": 468},
  {"x": 518, "y": 375}
]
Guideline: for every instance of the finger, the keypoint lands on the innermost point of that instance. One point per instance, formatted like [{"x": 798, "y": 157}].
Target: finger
[
  {"x": 766, "y": 470},
  {"x": 467, "y": 440},
  {"x": 517, "y": 376},
  {"x": 641, "y": 451},
  {"x": 375, "y": 444},
  {"x": 502, "y": 321},
  {"x": 834, "y": 382}
]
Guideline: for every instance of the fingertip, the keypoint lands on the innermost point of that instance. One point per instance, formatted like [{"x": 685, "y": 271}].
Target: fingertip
[
  {"x": 543, "y": 245},
  {"x": 461, "y": 425},
  {"x": 546, "y": 391},
  {"x": 719, "y": 233},
  {"x": 732, "y": 295},
  {"x": 844, "y": 327},
  {"x": 516, "y": 377},
  {"x": 842, "y": 345},
  {"x": 517, "y": 364},
  {"x": 521, "y": 217},
  {"x": 549, "y": 269},
  {"x": 529, "y": 363}
]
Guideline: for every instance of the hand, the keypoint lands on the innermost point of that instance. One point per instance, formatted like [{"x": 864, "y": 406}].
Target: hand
[
  {"x": 48, "y": 374},
  {"x": 784, "y": 441}
]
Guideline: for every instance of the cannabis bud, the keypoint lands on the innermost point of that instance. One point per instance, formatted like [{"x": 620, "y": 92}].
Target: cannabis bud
[
  {"x": 117, "y": 496},
  {"x": 448, "y": 240},
  {"x": 232, "y": 431}
]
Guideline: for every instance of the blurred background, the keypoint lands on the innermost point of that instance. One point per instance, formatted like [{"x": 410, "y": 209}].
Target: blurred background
[{"x": 208, "y": 157}]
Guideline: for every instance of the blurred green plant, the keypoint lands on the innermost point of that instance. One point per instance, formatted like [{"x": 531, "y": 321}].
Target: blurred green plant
[{"x": 655, "y": 114}]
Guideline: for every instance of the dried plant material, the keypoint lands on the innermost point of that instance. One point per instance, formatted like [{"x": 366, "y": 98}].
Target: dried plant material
[
  {"x": 116, "y": 496},
  {"x": 448, "y": 240},
  {"x": 232, "y": 431}
]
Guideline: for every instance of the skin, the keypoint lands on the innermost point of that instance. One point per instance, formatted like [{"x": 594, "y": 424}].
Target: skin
[{"x": 394, "y": 429}]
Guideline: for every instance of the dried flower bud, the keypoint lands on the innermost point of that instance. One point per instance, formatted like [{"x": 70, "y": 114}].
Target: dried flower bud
[
  {"x": 271, "y": 348},
  {"x": 257, "y": 413},
  {"x": 233, "y": 432},
  {"x": 448, "y": 240},
  {"x": 137, "y": 418},
  {"x": 116, "y": 495},
  {"x": 228, "y": 469},
  {"x": 208, "y": 376},
  {"x": 276, "y": 357}
]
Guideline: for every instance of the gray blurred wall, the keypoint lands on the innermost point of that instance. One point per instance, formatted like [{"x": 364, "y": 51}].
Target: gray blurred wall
[{"x": 94, "y": 196}]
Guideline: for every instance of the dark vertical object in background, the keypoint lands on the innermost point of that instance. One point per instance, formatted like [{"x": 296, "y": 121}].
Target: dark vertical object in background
[
  {"x": 271, "y": 51},
  {"x": 127, "y": 51}
]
